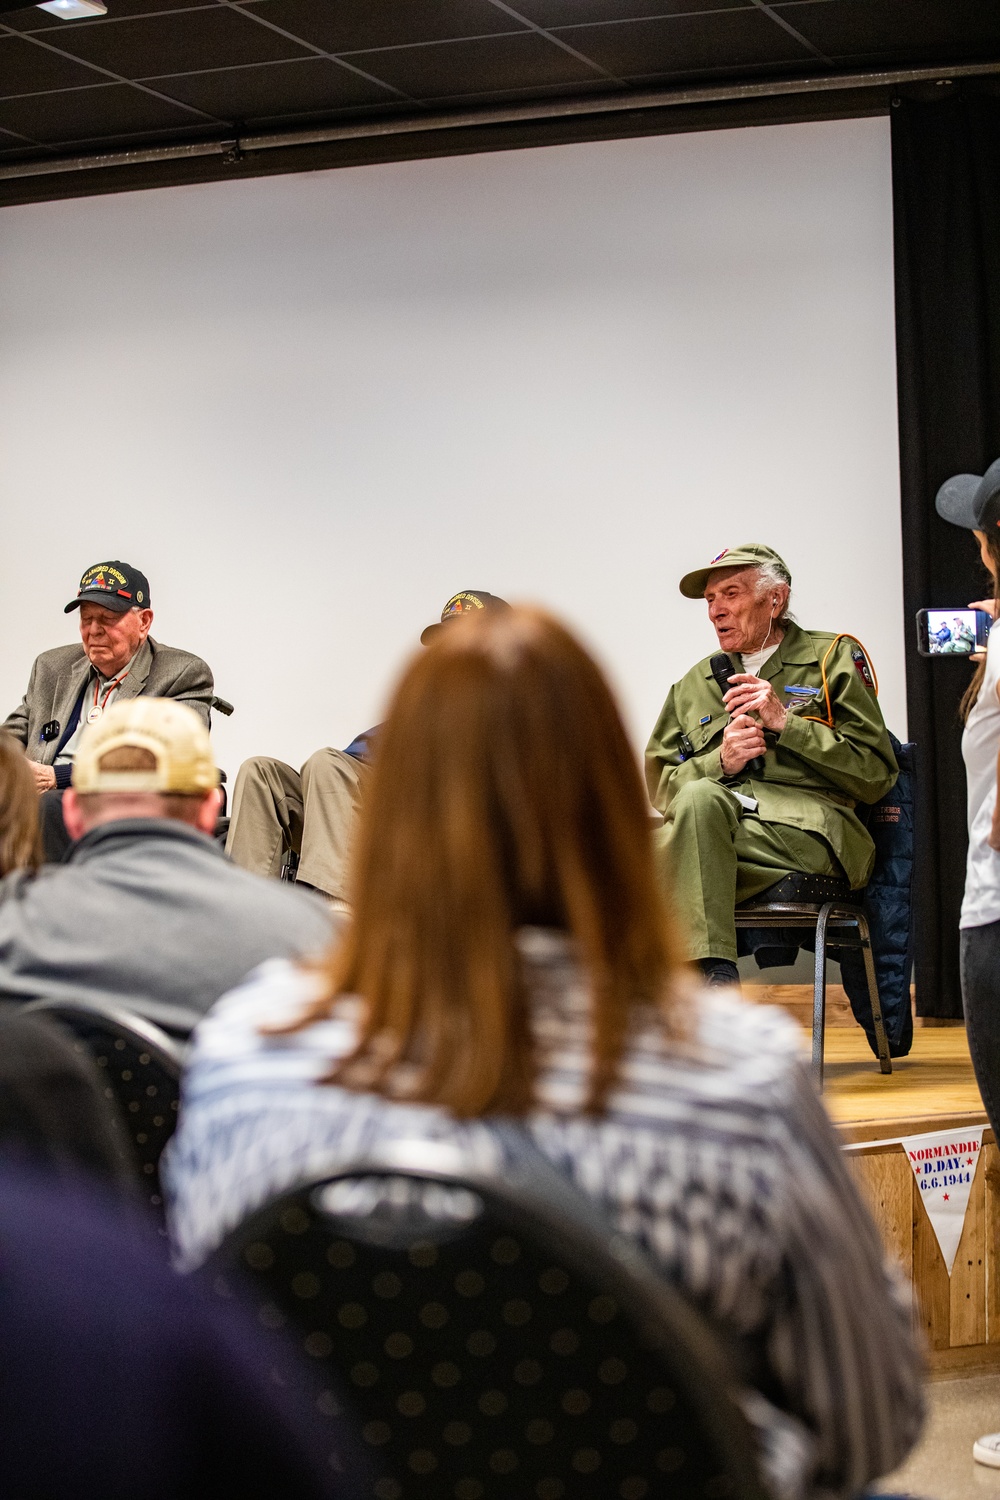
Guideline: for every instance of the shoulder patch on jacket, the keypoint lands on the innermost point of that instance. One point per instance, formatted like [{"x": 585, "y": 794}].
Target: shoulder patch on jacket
[{"x": 862, "y": 668}]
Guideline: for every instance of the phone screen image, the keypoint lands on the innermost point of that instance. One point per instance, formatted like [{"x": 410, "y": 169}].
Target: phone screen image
[{"x": 951, "y": 632}]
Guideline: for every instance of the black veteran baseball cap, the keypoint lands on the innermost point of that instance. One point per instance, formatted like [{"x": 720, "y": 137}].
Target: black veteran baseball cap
[
  {"x": 114, "y": 585},
  {"x": 749, "y": 555},
  {"x": 459, "y": 605},
  {"x": 971, "y": 500}
]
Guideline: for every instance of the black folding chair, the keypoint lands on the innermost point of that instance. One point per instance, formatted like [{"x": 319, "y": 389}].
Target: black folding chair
[
  {"x": 827, "y": 905},
  {"x": 222, "y": 706},
  {"x": 141, "y": 1066},
  {"x": 498, "y": 1339}
]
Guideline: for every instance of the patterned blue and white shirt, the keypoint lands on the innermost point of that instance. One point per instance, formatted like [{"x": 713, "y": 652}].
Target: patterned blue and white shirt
[{"x": 714, "y": 1154}]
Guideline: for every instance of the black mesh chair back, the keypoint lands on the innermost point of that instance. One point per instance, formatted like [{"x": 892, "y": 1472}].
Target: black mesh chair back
[
  {"x": 498, "y": 1340},
  {"x": 141, "y": 1070}
]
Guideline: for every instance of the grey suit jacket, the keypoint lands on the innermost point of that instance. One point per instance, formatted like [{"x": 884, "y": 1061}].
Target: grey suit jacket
[{"x": 58, "y": 676}]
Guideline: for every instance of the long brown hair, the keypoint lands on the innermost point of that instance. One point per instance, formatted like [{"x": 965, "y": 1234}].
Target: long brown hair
[
  {"x": 20, "y": 832},
  {"x": 971, "y": 695},
  {"x": 504, "y": 794}
]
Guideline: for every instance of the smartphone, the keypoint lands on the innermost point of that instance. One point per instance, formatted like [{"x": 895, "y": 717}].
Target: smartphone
[{"x": 952, "y": 632}]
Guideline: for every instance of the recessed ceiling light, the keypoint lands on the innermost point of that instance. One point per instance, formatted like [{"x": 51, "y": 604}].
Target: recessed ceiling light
[{"x": 74, "y": 10}]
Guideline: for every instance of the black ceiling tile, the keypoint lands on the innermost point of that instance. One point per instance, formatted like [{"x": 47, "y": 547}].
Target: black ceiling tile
[
  {"x": 33, "y": 19},
  {"x": 313, "y": 86},
  {"x": 307, "y": 119},
  {"x": 724, "y": 42},
  {"x": 524, "y": 60},
  {"x": 13, "y": 156},
  {"x": 10, "y": 142},
  {"x": 28, "y": 69},
  {"x": 905, "y": 30},
  {"x": 575, "y": 90},
  {"x": 693, "y": 78},
  {"x": 356, "y": 25},
  {"x": 131, "y": 139},
  {"x": 593, "y": 12},
  {"x": 178, "y": 42},
  {"x": 75, "y": 114},
  {"x": 401, "y": 107}
]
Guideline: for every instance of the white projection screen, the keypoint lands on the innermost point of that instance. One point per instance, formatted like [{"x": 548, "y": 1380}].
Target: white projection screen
[{"x": 312, "y": 407}]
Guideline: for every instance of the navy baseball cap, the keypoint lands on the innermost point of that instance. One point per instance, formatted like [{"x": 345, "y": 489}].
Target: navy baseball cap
[
  {"x": 114, "y": 585},
  {"x": 460, "y": 606},
  {"x": 971, "y": 500}
]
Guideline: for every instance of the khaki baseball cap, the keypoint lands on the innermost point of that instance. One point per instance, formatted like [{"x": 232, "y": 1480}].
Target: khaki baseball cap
[
  {"x": 171, "y": 732},
  {"x": 749, "y": 555}
]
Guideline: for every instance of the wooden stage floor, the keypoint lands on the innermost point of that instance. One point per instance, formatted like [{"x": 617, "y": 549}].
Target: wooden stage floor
[{"x": 932, "y": 1089}]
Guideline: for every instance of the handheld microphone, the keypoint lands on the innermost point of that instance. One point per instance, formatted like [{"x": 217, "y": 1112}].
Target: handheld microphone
[{"x": 722, "y": 669}]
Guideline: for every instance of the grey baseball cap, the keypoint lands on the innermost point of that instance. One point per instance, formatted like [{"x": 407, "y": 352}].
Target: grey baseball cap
[{"x": 971, "y": 500}]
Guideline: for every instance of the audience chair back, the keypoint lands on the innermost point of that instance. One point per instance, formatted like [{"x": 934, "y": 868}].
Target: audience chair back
[
  {"x": 497, "y": 1337},
  {"x": 53, "y": 1110},
  {"x": 141, "y": 1070}
]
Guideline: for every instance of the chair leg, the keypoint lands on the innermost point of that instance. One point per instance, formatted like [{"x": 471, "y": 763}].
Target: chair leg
[
  {"x": 819, "y": 993},
  {"x": 881, "y": 1040}
]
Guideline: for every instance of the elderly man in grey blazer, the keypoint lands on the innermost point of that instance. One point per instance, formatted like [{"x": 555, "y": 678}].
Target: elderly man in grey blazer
[{"x": 72, "y": 686}]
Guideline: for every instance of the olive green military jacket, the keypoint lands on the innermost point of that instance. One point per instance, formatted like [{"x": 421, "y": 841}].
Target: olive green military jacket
[{"x": 814, "y": 774}]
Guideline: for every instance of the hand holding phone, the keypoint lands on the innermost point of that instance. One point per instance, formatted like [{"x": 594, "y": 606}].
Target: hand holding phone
[{"x": 953, "y": 632}]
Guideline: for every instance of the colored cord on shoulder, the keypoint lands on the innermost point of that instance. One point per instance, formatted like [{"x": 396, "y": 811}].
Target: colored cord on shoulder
[{"x": 845, "y": 635}]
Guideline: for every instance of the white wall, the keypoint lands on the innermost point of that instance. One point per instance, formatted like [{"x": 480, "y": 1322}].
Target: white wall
[{"x": 312, "y": 407}]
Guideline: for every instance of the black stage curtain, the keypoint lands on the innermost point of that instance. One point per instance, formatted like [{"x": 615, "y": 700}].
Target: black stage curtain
[{"x": 946, "y": 201}]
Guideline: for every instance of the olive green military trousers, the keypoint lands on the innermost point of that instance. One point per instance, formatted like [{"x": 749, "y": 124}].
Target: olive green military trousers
[{"x": 711, "y": 854}]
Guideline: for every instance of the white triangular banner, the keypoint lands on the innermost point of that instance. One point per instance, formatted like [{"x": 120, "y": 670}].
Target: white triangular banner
[{"x": 944, "y": 1164}]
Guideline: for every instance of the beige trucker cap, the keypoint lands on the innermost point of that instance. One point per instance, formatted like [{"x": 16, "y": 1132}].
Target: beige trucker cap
[
  {"x": 749, "y": 555},
  {"x": 171, "y": 731}
]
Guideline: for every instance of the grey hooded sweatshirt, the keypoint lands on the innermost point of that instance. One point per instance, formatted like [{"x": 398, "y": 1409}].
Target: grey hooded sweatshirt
[{"x": 148, "y": 914}]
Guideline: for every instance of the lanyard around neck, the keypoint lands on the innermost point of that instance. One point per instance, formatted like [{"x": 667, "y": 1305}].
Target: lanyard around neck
[{"x": 100, "y": 704}]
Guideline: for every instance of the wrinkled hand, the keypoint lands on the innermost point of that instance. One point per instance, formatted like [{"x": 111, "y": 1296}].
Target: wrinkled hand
[
  {"x": 742, "y": 741},
  {"x": 752, "y": 695},
  {"x": 45, "y": 777}
]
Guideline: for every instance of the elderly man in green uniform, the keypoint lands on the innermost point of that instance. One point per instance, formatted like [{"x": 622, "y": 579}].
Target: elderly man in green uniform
[{"x": 763, "y": 780}]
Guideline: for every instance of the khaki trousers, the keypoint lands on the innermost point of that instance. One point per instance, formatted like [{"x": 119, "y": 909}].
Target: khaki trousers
[
  {"x": 710, "y": 854},
  {"x": 312, "y": 811}
]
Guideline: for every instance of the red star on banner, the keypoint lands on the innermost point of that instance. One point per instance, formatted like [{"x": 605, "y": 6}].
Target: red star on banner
[
  {"x": 968, "y": 1161},
  {"x": 946, "y": 1197}
]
